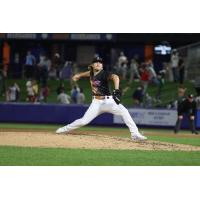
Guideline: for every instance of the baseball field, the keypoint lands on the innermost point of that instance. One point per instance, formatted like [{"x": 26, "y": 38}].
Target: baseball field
[{"x": 38, "y": 145}]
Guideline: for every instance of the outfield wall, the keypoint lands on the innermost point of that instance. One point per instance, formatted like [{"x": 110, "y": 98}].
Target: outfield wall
[{"x": 64, "y": 114}]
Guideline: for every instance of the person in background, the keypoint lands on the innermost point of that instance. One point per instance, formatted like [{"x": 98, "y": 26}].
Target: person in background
[
  {"x": 60, "y": 88},
  {"x": 16, "y": 67},
  {"x": 144, "y": 77},
  {"x": 167, "y": 67},
  {"x": 74, "y": 94},
  {"x": 186, "y": 106},
  {"x": 124, "y": 69},
  {"x": 57, "y": 64},
  {"x": 161, "y": 80},
  {"x": 2, "y": 89},
  {"x": 30, "y": 92},
  {"x": 138, "y": 96},
  {"x": 48, "y": 65},
  {"x": 67, "y": 70},
  {"x": 30, "y": 65},
  {"x": 122, "y": 59},
  {"x": 63, "y": 98},
  {"x": 3, "y": 79},
  {"x": 174, "y": 64},
  {"x": 17, "y": 92},
  {"x": 197, "y": 99},
  {"x": 13, "y": 93},
  {"x": 80, "y": 97},
  {"x": 181, "y": 96},
  {"x": 134, "y": 70},
  {"x": 181, "y": 69},
  {"x": 52, "y": 73},
  {"x": 122, "y": 64},
  {"x": 44, "y": 93},
  {"x": 42, "y": 70},
  {"x": 148, "y": 101},
  {"x": 35, "y": 90},
  {"x": 152, "y": 73}
]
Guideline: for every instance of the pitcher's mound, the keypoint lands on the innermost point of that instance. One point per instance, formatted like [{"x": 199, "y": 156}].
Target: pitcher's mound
[{"x": 85, "y": 141}]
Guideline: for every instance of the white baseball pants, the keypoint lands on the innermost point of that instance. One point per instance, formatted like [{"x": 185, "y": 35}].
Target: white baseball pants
[{"x": 106, "y": 105}]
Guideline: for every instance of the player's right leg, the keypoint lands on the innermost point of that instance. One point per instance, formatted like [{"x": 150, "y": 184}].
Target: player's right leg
[
  {"x": 178, "y": 124},
  {"x": 92, "y": 112},
  {"x": 192, "y": 124},
  {"x": 123, "y": 112}
]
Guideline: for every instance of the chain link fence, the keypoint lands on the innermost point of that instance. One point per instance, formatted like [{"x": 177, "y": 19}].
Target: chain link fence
[{"x": 191, "y": 54}]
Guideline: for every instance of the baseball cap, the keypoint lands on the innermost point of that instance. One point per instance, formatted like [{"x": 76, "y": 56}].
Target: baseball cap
[{"x": 97, "y": 59}]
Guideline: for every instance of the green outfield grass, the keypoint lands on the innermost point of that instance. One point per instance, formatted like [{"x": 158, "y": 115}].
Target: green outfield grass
[
  {"x": 82, "y": 157},
  {"x": 19, "y": 156}
]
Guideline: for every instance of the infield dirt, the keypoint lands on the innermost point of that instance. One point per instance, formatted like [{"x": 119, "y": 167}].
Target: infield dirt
[{"x": 84, "y": 140}]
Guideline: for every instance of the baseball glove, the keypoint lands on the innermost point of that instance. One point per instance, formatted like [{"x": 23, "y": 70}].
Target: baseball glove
[{"x": 117, "y": 96}]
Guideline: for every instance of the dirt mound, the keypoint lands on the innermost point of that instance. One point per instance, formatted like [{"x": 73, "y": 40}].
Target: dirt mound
[{"x": 85, "y": 141}]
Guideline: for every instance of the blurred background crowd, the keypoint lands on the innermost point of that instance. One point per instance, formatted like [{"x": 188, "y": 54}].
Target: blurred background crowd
[{"x": 154, "y": 68}]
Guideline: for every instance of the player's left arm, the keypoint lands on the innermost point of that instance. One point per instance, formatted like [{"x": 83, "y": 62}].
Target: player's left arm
[
  {"x": 116, "y": 91},
  {"x": 115, "y": 79}
]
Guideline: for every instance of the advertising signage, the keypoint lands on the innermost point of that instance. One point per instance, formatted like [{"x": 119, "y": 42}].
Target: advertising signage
[{"x": 60, "y": 36}]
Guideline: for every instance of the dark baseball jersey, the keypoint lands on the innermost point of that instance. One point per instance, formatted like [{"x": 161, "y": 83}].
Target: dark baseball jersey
[
  {"x": 100, "y": 83},
  {"x": 187, "y": 107},
  {"x": 180, "y": 100}
]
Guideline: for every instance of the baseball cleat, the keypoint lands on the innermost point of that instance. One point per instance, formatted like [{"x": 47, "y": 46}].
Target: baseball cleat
[
  {"x": 62, "y": 130},
  {"x": 138, "y": 138},
  {"x": 175, "y": 132}
]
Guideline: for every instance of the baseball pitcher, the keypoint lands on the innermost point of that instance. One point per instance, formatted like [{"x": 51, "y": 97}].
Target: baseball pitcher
[{"x": 103, "y": 101}]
